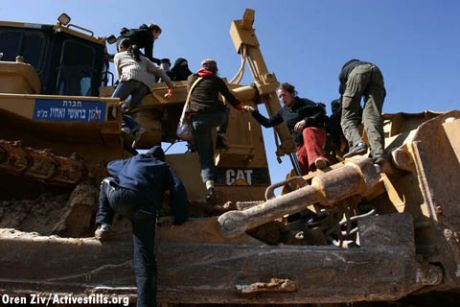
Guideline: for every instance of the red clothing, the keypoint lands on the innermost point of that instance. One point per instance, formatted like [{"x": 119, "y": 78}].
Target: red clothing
[
  {"x": 203, "y": 72},
  {"x": 312, "y": 148}
]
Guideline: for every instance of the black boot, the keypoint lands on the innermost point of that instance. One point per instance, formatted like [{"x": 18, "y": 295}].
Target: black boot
[
  {"x": 221, "y": 143},
  {"x": 211, "y": 196},
  {"x": 358, "y": 149}
]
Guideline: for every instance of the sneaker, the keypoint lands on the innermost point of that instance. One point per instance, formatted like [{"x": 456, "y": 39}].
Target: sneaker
[
  {"x": 221, "y": 143},
  {"x": 124, "y": 106},
  {"x": 137, "y": 137},
  {"x": 102, "y": 231},
  {"x": 359, "y": 149},
  {"x": 126, "y": 130},
  {"x": 321, "y": 163}
]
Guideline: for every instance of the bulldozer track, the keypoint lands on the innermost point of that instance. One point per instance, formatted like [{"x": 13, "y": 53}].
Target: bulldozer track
[{"x": 46, "y": 167}]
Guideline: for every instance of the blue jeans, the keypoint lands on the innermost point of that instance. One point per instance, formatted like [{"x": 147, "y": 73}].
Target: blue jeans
[
  {"x": 202, "y": 125},
  {"x": 135, "y": 206},
  {"x": 137, "y": 90}
]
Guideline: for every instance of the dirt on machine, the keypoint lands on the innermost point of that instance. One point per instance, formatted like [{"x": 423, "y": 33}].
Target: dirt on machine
[{"x": 353, "y": 232}]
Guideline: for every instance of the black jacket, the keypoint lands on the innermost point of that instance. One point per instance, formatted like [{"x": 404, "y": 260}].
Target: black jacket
[
  {"x": 205, "y": 95},
  {"x": 142, "y": 38},
  {"x": 302, "y": 108},
  {"x": 150, "y": 175},
  {"x": 179, "y": 72}
]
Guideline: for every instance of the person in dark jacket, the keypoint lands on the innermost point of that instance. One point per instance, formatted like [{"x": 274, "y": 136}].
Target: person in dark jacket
[
  {"x": 180, "y": 70},
  {"x": 143, "y": 37},
  {"x": 334, "y": 129},
  {"x": 362, "y": 79},
  {"x": 135, "y": 189},
  {"x": 305, "y": 120},
  {"x": 206, "y": 112}
]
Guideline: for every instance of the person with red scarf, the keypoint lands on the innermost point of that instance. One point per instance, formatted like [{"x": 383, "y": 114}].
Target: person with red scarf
[{"x": 206, "y": 112}]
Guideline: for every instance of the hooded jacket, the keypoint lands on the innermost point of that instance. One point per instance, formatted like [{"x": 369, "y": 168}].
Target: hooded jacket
[
  {"x": 179, "y": 72},
  {"x": 150, "y": 175}
]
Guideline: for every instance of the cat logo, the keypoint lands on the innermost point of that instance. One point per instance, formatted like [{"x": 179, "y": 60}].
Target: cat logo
[{"x": 238, "y": 177}]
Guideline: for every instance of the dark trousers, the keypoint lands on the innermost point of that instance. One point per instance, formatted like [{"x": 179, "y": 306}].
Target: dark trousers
[
  {"x": 137, "y": 90},
  {"x": 133, "y": 205},
  {"x": 202, "y": 125},
  {"x": 145, "y": 265}
]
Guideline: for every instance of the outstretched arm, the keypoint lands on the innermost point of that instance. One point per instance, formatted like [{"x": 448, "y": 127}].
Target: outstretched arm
[
  {"x": 266, "y": 122},
  {"x": 159, "y": 73},
  {"x": 223, "y": 89}
]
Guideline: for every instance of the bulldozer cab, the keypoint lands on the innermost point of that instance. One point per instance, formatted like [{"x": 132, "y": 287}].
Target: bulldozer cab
[{"x": 67, "y": 61}]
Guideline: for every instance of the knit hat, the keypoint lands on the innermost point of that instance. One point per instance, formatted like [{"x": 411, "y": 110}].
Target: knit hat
[{"x": 209, "y": 64}]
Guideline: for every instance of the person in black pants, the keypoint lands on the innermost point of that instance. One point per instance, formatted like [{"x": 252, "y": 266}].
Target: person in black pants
[
  {"x": 207, "y": 111},
  {"x": 135, "y": 189}
]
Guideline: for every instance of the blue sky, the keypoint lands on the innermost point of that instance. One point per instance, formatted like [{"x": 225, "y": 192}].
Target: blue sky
[{"x": 305, "y": 42}]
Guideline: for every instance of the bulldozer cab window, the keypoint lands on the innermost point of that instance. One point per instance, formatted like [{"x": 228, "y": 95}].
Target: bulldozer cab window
[
  {"x": 30, "y": 45},
  {"x": 75, "y": 72}
]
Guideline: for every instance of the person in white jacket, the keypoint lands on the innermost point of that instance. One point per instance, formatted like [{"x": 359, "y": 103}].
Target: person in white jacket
[{"x": 136, "y": 74}]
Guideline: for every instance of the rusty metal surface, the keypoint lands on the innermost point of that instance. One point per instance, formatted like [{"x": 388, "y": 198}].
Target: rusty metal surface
[
  {"x": 452, "y": 129},
  {"x": 321, "y": 274},
  {"x": 210, "y": 273},
  {"x": 32, "y": 262},
  {"x": 439, "y": 169},
  {"x": 438, "y": 173},
  {"x": 198, "y": 265},
  {"x": 44, "y": 166},
  {"x": 359, "y": 176},
  {"x": 274, "y": 285}
]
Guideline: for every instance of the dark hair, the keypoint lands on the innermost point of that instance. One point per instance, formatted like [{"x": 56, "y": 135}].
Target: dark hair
[
  {"x": 154, "y": 28},
  {"x": 349, "y": 62},
  {"x": 125, "y": 43},
  {"x": 132, "y": 50},
  {"x": 165, "y": 60},
  {"x": 322, "y": 105},
  {"x": 288, "y": 87}
]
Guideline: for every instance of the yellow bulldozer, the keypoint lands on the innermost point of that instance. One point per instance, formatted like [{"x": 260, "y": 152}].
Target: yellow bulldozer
[{"x": 352, "y": 232}]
